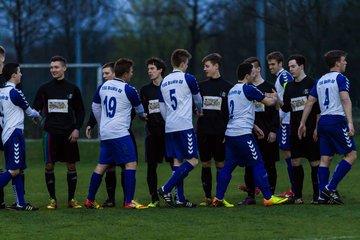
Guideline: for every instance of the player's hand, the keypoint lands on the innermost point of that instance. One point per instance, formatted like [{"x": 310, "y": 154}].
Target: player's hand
[
  {"x": 351, "y": 132},
  {"x": 37, "y": 119},
  {"x": 258, "y": 132},
  {"x": 143, "y": 117},
  {"x": 315, "y": 135},
  {"x": 74, "y": 136},
  {"x": 271, "y": 137},
  {"x": 200, "y": 114},
  {"x": 302, "y": 130},
  {"x": 88, "y": 132}
]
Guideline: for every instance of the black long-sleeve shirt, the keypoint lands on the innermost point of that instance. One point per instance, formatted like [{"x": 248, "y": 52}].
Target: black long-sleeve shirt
[{"x": 62, "y": 106}]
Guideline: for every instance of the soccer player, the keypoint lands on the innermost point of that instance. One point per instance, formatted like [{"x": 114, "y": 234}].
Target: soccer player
[
  {"x": 155, "y": 126},
  {"x": 112, "y": 105},
  {"x": 294, "y": 100},
  {"x": 177, "y": 91},
  {"x": 61, "y": 103},
  {"x": 212, "y": 125},
  {"x": 267, "y": 119},
  {"x": 2, "y": 82},
  {"x": 335, "y": 126},
  {"x": 241, "y": 146},
  {"x": 275, "y": 62},
  {"x": 12, "y": 107}
]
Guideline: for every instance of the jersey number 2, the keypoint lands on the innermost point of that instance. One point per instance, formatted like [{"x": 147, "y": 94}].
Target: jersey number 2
[
  {"x": 231, "y": 109},
  {"x": 173, "y": 99},
  {"x": 110, "y": 107}
]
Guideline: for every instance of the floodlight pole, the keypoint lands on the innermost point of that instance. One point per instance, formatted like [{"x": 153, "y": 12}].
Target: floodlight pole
[
  {"x": 260, "y": 33},
  {"x": 79, "y": 81}
]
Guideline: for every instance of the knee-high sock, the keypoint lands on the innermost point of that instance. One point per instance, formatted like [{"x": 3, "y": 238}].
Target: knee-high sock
[
  {"x": 206, "y": 179},
  {"x": 95, "y": 182},
  {"x": 5, "y": 179},
  {"x": 110, "y": 181},
  {"x": 151, "y": 179},
  {"x": 298, "y": 178},
  {"x": 224, "y": 179},
  {"x": 179, "y": 187},
  {"x": 323, "y": 177},
  {"x": 272, "y": 175},
  {"x": 340, "y": 171},
  {"x": 290, "y": 171},
  {"x": 178, "y": 176},
  {"x": 72, "y": 181},
  {"x": 315, "y": 181},
  {"x": 50, "y": 182},
  {"x": 261, "y": 180},
  {"x": 130, "y": 182},
  {"x": 18, "y": 187},
  {"x": 249, "y": 182}
]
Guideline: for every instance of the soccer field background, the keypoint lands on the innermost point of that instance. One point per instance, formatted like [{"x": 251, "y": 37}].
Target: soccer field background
[{"x": 242, "y": 222}]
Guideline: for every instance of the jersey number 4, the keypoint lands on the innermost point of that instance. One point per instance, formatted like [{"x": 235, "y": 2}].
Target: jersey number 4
[{"x": 110, "y": 107}]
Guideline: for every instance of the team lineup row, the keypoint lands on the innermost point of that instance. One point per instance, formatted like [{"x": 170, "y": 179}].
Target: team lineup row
[{"x": 243, "y": 124}]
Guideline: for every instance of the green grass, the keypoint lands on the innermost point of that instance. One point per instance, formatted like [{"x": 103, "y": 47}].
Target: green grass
[{"x": 251, "y": 222}]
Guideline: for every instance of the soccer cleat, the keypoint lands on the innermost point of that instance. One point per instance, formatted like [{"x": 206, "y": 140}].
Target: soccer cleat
[
  {"x": 154, "y": 204},
  {"x": 221, "y": 203},
  {"x": 92, "y": 204},
  {"x": 26, "y": 207},
  {"x": 108, "y": 204},
  {"x": 288, "y": 193},
  {"x": 135, "y": 205},
  {"x": 186, "y": 204},
  {"x": 12, "y": 206},
  {"x": 274, "y": 200},
  {"x": 167, "y": 197},
  {"x": 295, "y": 200},
  {"x": 333, "y": 195},
  {"x": 248, "y": 201},
  {"x": 52, "y": 204},
  {"x": 206, "y": 202},
  {"x": 323, "y": 201},
  {"x": 244, "y": 188},
  {"x": 73, "y": 204}
]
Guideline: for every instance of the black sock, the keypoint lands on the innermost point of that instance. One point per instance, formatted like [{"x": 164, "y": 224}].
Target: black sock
[
  {"x": 272, "y": 176},
  {"x": 206, "y": 179},
  {"x": 249, "y": 181},
  {"x": 315, "y": 182},
  {"x": 298, "y": 178},
  {"x": 72, "y": 181},
  {"x": 152, "y": 181},
  {"x": 50, "y": 182}
]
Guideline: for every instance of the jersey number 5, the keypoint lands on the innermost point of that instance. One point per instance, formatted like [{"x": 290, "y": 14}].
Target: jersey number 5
[
  {"x": 110, "y": 107},
  {"x": 173, "y": 99}
]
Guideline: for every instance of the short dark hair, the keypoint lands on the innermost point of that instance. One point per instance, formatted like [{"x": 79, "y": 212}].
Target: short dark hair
[
  {"x": 158, "y": 62},
  {"x": 2, "y": 50},
  {"x": 331, "y": 57},
  {"x": 58, "y": 59},
  {"x": 179, "y": 56},
  {"x": 213, "y": 58},
  {"x": 278, "y": 56},
  {"x": 110, "y": 65},
  {"x": 253, "y": 60},
  {"x": 243, "y": 69},
  {"x": 300, "y": 59},
  {"x": 122, "y": 65},
  {"x": 9, "y": 69}
]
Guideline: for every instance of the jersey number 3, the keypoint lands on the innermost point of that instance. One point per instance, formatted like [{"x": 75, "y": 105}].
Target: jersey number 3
[
  {"x": 110, "y": 107},
  {"x": 173, "y": 99}
]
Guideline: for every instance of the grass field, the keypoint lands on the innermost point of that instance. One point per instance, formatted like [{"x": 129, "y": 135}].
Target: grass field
[{"x": 242, "y": 222}]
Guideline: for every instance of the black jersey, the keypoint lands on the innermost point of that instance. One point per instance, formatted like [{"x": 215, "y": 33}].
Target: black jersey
[
  {"x": 2, "y": 80},
  {"x": 62, "y": 106},
  {"x": 295, "y": 98},
  {"x": 149, "y": 95},
  {"x": 214, "y": 93},
  {"x": 266, "y": 118}
]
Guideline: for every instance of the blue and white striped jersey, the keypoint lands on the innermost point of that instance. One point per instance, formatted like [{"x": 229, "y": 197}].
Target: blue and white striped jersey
[
  {"x": 241, "y": 103},
  {"x": 283, "y": 77},
  {"x": 112, "y": 106},
  {"x": 12, "y": 106}
]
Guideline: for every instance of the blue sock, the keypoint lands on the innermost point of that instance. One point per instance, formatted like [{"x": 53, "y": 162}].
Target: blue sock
[
  {"x": 179, "y": 188},
  {"x": 18, "y": 187},
  {"x": 323, "y": 177},
  {"x": 130, "y": 182},
  {"x": 224, "y": 178},
  {"x": 261, "y": 180},
  {"x": 290, "y": 172},
  {"x": 178, "y": 176},
  {"x": 5, "y": 179},
  {"x": 340, "y": 171},
  {"x": 95, "y": 182}
]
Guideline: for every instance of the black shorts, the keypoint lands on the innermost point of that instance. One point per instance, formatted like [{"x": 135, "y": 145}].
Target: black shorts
[
  {"x": 155, "y": 149},
  {"x": 304, "y": 148},
  {"x": 58, "y": 148},
  {"x": 211, "y": 146},
  {"x": 269, "y": 151}
]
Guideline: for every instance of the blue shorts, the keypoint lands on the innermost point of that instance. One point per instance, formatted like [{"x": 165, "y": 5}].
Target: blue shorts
[
  {"x": 14, "y": 151},
  {"x": 117, "y": 151},
  {"x": 284, "y": 137},
  {"x": 182, "y": 144},
  {"x": 334, "y": 139},
  {"x": 243, "y": 150}
]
